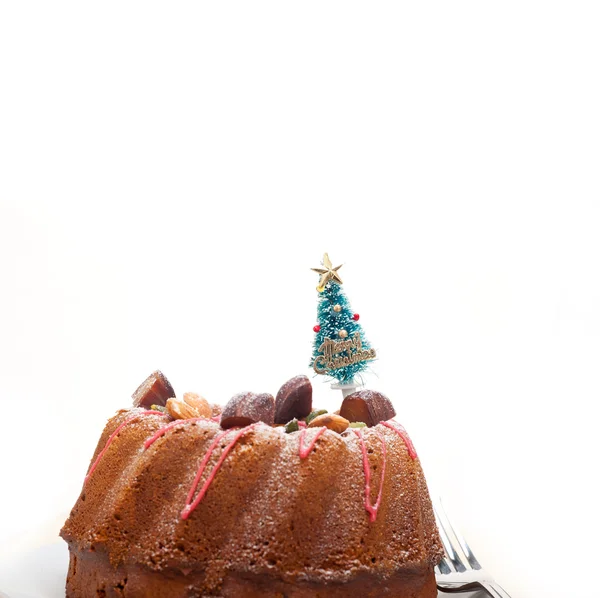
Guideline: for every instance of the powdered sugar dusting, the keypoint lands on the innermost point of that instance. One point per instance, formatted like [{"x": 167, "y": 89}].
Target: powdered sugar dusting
[
  {"x": 304, "y": 451},
  {"x": 129, "y": 420},
  {"x": 266, "y": 511},
  {"x": 400, "y": 430},
  {"x": 372, "y": 508},
  {"x": 165, "y": 429},
  {"x": 191, "y": 505}
]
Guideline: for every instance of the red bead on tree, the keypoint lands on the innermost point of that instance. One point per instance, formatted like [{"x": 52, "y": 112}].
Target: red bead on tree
[
  {"x": 355, "y": 317},
  {"x": 317, "y": 328}
]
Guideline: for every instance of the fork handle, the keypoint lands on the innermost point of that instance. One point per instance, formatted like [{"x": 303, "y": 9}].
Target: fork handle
[
  {"x": 494, "y": 590},
  {"x": 491, "y": 587}
]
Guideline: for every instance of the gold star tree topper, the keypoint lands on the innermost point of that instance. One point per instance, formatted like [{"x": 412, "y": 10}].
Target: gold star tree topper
[{"x": 328, "y": 272}]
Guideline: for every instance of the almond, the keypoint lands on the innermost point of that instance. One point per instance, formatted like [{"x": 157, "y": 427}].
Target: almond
[
  {"x": 191, "y": 405},
  {"x": 337, "y": 423},
  {"x": 199, "y": 403}
]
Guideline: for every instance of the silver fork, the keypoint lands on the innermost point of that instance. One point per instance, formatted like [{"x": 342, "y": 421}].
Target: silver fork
[{"x": 459, "y": 570}]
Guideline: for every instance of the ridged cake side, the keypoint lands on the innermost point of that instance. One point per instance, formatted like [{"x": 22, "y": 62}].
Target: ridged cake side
[{"x": 268, "y": 517}]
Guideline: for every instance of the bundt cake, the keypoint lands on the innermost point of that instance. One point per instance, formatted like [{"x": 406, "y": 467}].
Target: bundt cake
[{"x": 266, "y": 498}]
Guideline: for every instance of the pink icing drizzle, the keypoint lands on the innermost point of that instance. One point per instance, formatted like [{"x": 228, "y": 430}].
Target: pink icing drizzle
[
  {"x": 372, "y": 508},
  {"x": 301, "y": 424},
  {"x": 168, "y": 427},
  {"x": 191, "y": 505},
  {"x": 113, "y": 436},
  {"x": 305, "y": 450},
  {"x": 399, "y": 429}
]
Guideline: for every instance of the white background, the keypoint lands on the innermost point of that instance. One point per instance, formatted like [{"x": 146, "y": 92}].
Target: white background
[{"x": 170, "y": 172}]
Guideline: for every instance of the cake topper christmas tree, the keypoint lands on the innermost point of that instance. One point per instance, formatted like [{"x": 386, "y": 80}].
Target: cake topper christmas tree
[{"x": 340, "y": 349}]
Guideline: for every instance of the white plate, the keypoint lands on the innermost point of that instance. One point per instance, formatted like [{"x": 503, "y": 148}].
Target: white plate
[
  {"x": 41, "y": 573},
  {"x": 36, "y": 573}
]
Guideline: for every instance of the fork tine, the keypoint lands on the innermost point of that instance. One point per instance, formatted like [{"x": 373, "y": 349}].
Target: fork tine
[
  {"x": 468, "y": 553},
  {"x": 451, "y": 553},
  {"x": 442, "y": 568}
]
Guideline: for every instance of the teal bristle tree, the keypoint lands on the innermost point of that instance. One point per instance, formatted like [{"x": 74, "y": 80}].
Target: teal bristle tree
[{"x": 340, "y": 349}]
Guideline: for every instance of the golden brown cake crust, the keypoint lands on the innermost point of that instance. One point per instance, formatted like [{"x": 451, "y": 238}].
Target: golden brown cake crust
[
  {"x": 90, "y": 575},
  {"x": 269, "y": 517}
]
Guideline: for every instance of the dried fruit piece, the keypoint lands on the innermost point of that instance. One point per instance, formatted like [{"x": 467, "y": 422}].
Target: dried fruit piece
[
  {"x": 368, "y": 406},
  {"x": 248, "y": 408},
  {"x": 292, "y": 426},
  {"x": 314, "y": 414},
  {"x": 357, "y": 425},
  {"x": 294, "y": 399},
  {"x": 191, "y": 405},
  {"x": 337, "y": 423},
  {"x": 154, "y": 390}
]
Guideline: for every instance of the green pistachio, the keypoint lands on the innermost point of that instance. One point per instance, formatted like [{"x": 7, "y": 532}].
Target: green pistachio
[
  {"x": 357, "y": 425},
  {"x": 292, "y": 426}
]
